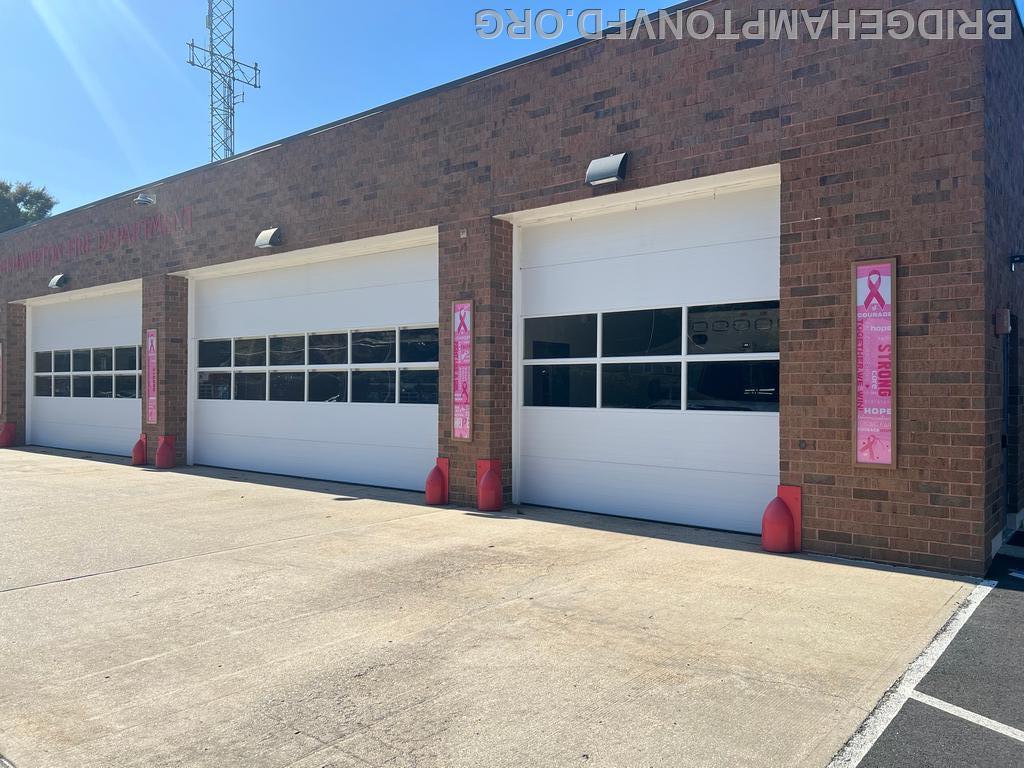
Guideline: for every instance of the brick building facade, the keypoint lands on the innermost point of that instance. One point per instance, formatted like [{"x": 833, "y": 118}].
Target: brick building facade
[{"x": 893, "y": 149}]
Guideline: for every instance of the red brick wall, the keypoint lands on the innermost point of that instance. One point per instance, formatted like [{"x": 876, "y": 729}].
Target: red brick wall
[
  {"x": 881, "y": 146},
  {"x": 1004, "y": 237},
  {"x": 883, "y": 158},
  {"x": 165, "y": 309},
  {"x": 12, "y": 407}
]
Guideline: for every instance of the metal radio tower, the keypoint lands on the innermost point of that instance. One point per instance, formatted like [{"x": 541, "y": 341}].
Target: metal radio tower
[{"x": 224, "y": 71}]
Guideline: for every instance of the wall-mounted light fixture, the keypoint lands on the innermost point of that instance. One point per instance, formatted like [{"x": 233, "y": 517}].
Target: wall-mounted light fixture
[
  {"x": 607, "y": 170},
  {"x": 144, "y": 199},
  {"x": 268, "y": 238},
  {"x": 58, "y": 281},
  {"x": 1015, "y": 260}
]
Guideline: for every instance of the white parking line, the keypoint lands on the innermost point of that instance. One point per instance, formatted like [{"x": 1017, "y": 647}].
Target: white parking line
[
  {"x": 966, "y": 714},
  {"x": 890, "y": 704}
]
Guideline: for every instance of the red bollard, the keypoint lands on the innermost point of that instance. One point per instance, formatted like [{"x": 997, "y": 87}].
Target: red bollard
[
  {"x": 777, "y": 531},
  {"x": 437, "y": 484},
  {"x": 165, "y": 452},
  {"x": 8, "y": 433},
  {"x": 139, "y": 451},
  {"x": 488, "y": 485}
]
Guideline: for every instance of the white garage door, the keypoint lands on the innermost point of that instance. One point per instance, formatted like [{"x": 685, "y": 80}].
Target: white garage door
[
  {"x": 325, "y": 370},
  {"x": 84, "y": 373},
  {"x": 649, "y": 361}
]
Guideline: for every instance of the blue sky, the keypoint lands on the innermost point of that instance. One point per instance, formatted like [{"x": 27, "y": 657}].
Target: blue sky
[{"x": 97, "y": 97}]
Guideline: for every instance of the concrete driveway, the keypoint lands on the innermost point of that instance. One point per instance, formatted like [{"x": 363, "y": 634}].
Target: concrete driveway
[{"x": 217, "y": 618}]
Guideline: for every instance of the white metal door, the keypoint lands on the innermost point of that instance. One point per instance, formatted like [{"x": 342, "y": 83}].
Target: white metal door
[
  {"x": 83, "y": 372},
  {"x": 615, "y": 430},
  {"x": 275, "y": 411}
]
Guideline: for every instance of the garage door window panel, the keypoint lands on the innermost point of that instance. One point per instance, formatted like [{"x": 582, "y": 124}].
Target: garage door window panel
[
  {"x": 103, "y": 359},
  {"x": 373, "y": 386},
  {"x": 733, "y": 385},
  {"x": 62, "y": 386},
  {"x": 214, "y": 386},
  {"x": 62, "y": 361},
  {"x": 103, "y": 386},
  {"x": 729, "y": 329},
  {"x": 642, "y": 333},
  {"x": 44, "y": 362},
  {"x": 81, "y": 386},
  {"x": 418, "y": 345},
  {"x": 250, "y": 386},
  {"x": 125, "y": 387},
  {"x": 251, "y": 352},
  {"x": 560, "y": 338},
  {"x": 287, "y": 350},
  {"x": 647, "y": 386},
  {"x": 213, "y": 354},
  {"x": 126, "y": 359},
  {"x": 81, "y": 360},
  {"x": 328, "y": 349},
  {"x": 43, "y": 386},
  {"x": 418, "y": 387},
  {"x": 287, "y": 386},
  {"x": 372, "y": 347},
  {"x": 328, "y": 386},
  {"x": 561, "y": 386}
]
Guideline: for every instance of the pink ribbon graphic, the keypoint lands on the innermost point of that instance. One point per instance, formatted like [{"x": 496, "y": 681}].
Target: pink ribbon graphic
[
  {"x": 462, "y": 323},
  {"x": 869, "y": 446},
  {"x": 874, "y": 294}
]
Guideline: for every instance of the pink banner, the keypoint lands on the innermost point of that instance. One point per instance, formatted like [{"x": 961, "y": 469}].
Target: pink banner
[
  {"x": 151, "y": 390},
  {"x": 462, "y": 370},
  {"x": 876, "y": 377}
]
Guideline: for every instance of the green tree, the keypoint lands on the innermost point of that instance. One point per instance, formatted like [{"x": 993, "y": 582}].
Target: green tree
[{"x": 21, "y": 203}]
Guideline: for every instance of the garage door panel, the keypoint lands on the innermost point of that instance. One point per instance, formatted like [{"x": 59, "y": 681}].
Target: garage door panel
[
  {"x": 735, "y": 217},
  {"x": 694, "y": 497},
  {"x": 399, "y": 287},
  {"x": 690, "y": 440},
  {"x": 680, "y": 276},
  {"x": 711, "y": 468},
  {"x": 388, "y": 444},
  {"x": 103, "y": 426},
  {"x": 113, "y": 320}
]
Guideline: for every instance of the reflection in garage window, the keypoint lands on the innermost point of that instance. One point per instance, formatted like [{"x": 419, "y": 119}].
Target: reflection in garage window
[
  {"x": 287, "y": 350},
  {"x": 81, "y": 360},
  {"x": 417, "y": 386},
  {"x": 44, "y": 362},
  {"x": 44, "y": 386},
  {"x": 370, "y": 347},
  {"x": 328, "y": 386},
  {"x": 733, "y": 386},
  {"x": 103, "y": 359},
  {"x": 103, "y": 386},
  {"x": 642, "y": 333},
  {"x": 566, "y": 386},
  {"x": 62, "y": 361},
  {"x": 62, "y": 386},
  {"x": 249, "y": 352},
  {"x": 81, "y": 386},
  {"x": 656, "y": 386},
  {"x": 288, "y": 386},
  {"x": 214, "y": 386},
  {"x": 212, "y": 354},
  {"x": 373, "y": 386},
  {"x": 548, "y": 338},
  {"x": 250, "y": 386},
  {"x": 125, "y": 386},
  {"x": 418, "y": 345},
  {"x": 733, "y": 328},
  {"x": 328, "y": 348},
  {"x": 126, "y": 358}
]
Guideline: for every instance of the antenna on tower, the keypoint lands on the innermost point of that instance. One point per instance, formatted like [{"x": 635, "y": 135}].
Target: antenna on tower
[{"x": 219, "y": 60}]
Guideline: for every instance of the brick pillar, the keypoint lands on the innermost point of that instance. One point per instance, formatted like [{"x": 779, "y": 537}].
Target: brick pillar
[
  {"x": 165, "y": 308},
  {"x": 475, "y": 262},
  {"x": 12, "y": 402}
]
